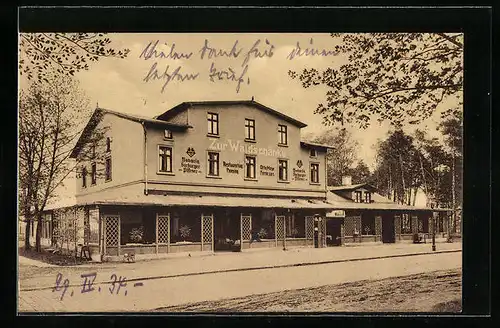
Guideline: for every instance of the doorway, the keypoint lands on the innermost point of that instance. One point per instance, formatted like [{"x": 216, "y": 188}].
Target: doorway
[
  {"x": 226, "y": 230},
  {"x": 388, "y": 231},
  {"x": 333, "y": 232}
]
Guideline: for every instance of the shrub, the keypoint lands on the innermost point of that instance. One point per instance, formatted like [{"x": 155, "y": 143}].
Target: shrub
[
  {"x": 136, "y": 234},
  {"x": 185, "y": 232}
]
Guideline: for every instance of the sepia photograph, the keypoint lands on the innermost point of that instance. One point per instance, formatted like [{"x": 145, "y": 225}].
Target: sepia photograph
[{"x": 240, "y": 172}]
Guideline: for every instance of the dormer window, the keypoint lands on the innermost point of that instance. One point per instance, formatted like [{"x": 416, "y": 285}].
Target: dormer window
[
  {"x": 167, "y": 134},
  {"x": 368, "y": 197},
  {"x": 358, "y": 197}
]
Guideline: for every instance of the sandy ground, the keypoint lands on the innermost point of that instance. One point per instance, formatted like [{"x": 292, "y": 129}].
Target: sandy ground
[
  {"x": 160, "y": 292},
  {"x": 414, "y": 293}
]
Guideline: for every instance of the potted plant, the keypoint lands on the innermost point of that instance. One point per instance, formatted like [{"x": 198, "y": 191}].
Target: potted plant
[
  {"x": 136, "y": 235},
  {"x": 262, "y": 234},
  {"x": 185, "y": 232},
  {"x": 295, "y": 232}
]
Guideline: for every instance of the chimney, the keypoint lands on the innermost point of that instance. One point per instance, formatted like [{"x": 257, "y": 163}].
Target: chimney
[{"x": 347, "y": 180}]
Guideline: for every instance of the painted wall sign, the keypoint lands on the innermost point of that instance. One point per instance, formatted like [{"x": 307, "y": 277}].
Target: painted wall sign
[
  {"x": 266, "y": 170},
  {"x": 299, "y": 174},
  {"x": 240, "y": 146},
  {"x": 190, "y": 165},
  {"x": 232, "y": 167},
  {"x": 190, "y": 151}
]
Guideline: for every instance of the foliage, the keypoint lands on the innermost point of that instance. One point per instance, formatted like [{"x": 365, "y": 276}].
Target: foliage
[
  {"x": 185, "y": 231},
  {"x": 398, "y": 172},
  {"x": 395, "y": 77},
  {"x": 51, "y": 117},
  {"x": 262, "y": 233},
  {"x": 136, "y": 234},
  {"x": 41, "y": 54},
  {"x": 295, "y": 232},
  {"x": 342, "y": 157},
  {"x": 361, "y": 173}
]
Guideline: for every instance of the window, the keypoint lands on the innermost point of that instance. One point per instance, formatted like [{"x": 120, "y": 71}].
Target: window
[
  {"x": 282, "y": 135},
  {"x": 312, "y": 153},
  {"x": 249, "y": 129},
  {"x": 358, "y": 198},
  {"x": 283, "y": 170},
  {"x": 165, "y": 159},
  {"x": 314, "y": 172},
  {"x": 213, "y": 123},
  {"x": 213, "y": 164},
  {"x": 108, "y": 144},
  {"x": 168, "y": 134},
  {"x": 84, "y": 177},
  {"x": 368, "y": 197},
  {"x": 405, "y": 223},
  {"x": 92, "y": 151},
  {"x": 108, "y": 169},
  {"x": 250, "y": 167},
  {"x": 94, "y": 173}
]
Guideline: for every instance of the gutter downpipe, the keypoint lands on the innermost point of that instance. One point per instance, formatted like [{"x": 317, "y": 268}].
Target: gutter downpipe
[{"x": 145, "y": 159}]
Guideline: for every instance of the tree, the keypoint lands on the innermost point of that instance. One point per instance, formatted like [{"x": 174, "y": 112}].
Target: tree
[
  {"x": 42, "y": 54},
  {"x": 340, "y": 159},
  {"x": 452, "y": 127},
  {"x": 361, "y": 173},
  {"x": 395, "y": 77},
  {"x": 398, "y": 171},
  {"x": 52, "y": 115}
]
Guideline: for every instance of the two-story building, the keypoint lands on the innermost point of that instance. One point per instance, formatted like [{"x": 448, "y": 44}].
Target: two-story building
[{"x": 199, "y": 177}]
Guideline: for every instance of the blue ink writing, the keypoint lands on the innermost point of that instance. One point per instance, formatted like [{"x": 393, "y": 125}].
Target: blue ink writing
[
  {"x": 151, "y": 51},
  {"x": 88, "y": 281},
  {"x": 117, "y": 283},
  {"x": 257, "y": 53},
  {"x": 298, "y": 51},
  {"x": 175, "y": 75},
  {"x": 137, "y": 284},
  {"x": 230, "y": 75},
  {"x": 58, "y": 286},
  {"x": 214, "y": 53}
]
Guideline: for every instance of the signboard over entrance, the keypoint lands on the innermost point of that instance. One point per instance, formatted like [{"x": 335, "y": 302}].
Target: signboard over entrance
[{"x": 336, "y": 214}]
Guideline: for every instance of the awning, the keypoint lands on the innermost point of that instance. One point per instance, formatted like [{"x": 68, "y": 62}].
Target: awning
[{"x": 215, "y": 201}]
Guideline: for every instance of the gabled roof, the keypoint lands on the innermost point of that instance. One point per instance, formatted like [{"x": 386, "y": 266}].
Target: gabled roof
[
  {"x": 99, "y": 112},
  {"x": 183, "y": 106},
  {"x": 352, "y": 187}
]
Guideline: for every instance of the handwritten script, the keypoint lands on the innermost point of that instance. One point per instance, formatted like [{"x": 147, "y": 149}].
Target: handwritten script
[
  {"x": 165, "y": 58},
  {"x": 116, "y": 284}
]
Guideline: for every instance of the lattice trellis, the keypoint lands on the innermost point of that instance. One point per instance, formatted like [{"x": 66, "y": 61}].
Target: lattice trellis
[
  {"x": 309, "y": 226},
  {"x": 279, "y": 222},
  {"x": 397, "y": 225},
  {"x": 414, "y": 224},
  {"x": 207, "y": 231},
  {"x": 163, "y": 229},
  {"x": 246, "y": 227},
  {"x": 378, "y": 225},
  {"x": 352, "y": 224},
  {"x": 112, "y": 230}
]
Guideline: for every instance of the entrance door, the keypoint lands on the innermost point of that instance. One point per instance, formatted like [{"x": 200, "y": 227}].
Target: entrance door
[
  {"x": 333, "y": 232},
  {"x": 226, "y": 230},
  {"x": 388, "y": 231}
]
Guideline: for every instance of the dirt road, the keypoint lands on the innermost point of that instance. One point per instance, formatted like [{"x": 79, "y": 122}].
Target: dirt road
[{"x": 414, "y": 293}]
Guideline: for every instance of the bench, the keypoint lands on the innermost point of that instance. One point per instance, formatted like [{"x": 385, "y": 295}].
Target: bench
[{"x": 129, "y": 256}]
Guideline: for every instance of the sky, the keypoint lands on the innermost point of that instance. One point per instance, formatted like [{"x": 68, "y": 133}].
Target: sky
[{"x": 135, "y": 85}]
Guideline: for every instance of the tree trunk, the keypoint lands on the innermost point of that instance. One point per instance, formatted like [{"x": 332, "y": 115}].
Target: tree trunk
[
  {"x": 38, "y": 244},
  {"x": 402, "y": 178},
  {"x": 453, "y": 200},
  {"x": 27, "y": 234}
]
